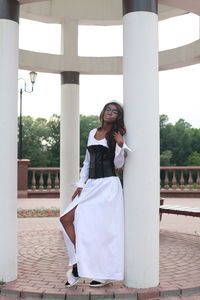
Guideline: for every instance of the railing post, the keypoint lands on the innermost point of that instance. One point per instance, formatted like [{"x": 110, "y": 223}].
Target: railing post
[
  {"x": 174, "y": 180},
  {"x": 190, "y": 180},
  {"x": 182, "y": 186},
  {"x": 23, "y": 178},
  {"x": 198, "y": 180},
  {"x": 166, "y": 179}
]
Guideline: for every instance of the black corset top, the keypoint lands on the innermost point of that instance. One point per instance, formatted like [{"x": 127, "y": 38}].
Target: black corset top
[{"x": 101, "y": 162}]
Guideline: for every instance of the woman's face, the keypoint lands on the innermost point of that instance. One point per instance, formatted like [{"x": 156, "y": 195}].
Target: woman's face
[{"x": 111, "y": 113}]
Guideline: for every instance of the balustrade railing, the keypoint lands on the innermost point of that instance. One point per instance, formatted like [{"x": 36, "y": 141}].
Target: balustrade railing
[
  {"x": 174, "y": 180},
  {"x": 180, "y": 178},
  {"x": 43, "y": 179}
]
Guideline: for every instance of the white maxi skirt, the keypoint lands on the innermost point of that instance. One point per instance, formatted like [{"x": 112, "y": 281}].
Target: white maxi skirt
[{"x": 99, "y": 229}]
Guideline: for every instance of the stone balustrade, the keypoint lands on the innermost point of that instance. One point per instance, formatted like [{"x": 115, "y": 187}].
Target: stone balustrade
[
  {"x": 44, "y": 182},
  {"x": 177, "y": 181}
]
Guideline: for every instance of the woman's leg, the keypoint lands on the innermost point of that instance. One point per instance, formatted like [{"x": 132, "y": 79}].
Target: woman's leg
[{"x": 68, "y": 224}]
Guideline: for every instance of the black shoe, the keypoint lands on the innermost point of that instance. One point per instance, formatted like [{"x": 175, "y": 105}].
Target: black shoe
[{"x": 95, "y": 283}]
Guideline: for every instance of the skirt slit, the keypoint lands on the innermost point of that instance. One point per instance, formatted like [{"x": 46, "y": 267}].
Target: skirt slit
[{"x": 71, "y": 248}]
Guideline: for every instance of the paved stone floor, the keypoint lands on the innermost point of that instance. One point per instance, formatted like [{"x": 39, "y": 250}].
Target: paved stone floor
[
  {"x": 169, "y": 222},
  {"x": 42, "y": 262}
]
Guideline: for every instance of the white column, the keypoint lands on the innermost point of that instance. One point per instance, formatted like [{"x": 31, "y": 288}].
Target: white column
[
  {"x": 69, "y": 43},
  {"x": 141, "y": 175},
  {"x": 9, "y": 16},
  {"x": 69, "y": 136}
]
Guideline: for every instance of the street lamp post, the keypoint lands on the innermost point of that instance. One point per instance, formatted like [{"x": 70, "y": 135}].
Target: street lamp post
[{"x": 24, "y": 88}]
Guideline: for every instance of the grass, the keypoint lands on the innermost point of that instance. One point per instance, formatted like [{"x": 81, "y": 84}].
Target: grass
[{"x": 38, "y": 212}]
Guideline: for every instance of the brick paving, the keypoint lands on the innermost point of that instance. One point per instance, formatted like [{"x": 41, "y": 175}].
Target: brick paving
[
  {"x": 42, "y": 264},
  {"x": 193, "y": 297},
  {"x": 179, "y": 223},
  {"x": 38, "y": 203},
  {"x": 173, "y": 223}
]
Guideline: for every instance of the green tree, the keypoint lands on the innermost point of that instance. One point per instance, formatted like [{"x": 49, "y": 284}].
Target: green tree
[
  {"x": 176, "y": 138},
  {"x": 53, "y": 141},
  {"x": 163, "y": 121},
  {"x": 34, "y": 137},
  {"x": 194, "y": 159},
  {"x": 41, "y": 139},
  {"x": 87, "y": 123},
  {"x": 195, "y": 136},
  {"x": 181, "y": 143},
  {"x": 165, "y": 158},
  {"x": 166, "y": 134}
]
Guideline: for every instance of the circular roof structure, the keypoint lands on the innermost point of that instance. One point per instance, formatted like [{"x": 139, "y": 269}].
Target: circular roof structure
[{"x": 71, "y": 13}]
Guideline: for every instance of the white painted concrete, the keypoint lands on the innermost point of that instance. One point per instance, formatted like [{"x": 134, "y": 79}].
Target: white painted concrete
[
  {"x": 180, "y": 57},
  {"x": 74, "y": 10},
  {"x": 169, "y": 59},
  {"x": 69, "y": 40},
  {"x": 8, "y": 149},
  {"x": 191, "y": 6},
  {"x": 40, "y": 62},
  {"x": 69, "y": 143},
  {"x": 52, "y": 63},
  {"x": 89, "y": 12},
  {"x": 141, "y": 177},
  {"x": 104, "y": 12},
  {"x": 166, "y": 12},
  {"x": 70, "y": 13}
]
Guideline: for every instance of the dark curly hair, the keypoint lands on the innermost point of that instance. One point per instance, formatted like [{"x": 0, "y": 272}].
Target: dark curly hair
[{"x": 118, "y": 125}]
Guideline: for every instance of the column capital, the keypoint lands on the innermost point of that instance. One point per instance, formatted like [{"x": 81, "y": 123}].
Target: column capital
[
  {"x": 140, "y": 5},
  {"x": 69, "y": 77},
  {"x": 9, "y": 9}
]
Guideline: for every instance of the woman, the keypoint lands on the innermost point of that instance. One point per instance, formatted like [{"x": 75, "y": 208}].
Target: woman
[{"x": 93, "y": 223}]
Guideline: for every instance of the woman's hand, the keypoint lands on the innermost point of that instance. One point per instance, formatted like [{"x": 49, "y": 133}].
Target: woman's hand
[
  {"x": 77, "y": 192},
  {"x": 118, "y": 138}
]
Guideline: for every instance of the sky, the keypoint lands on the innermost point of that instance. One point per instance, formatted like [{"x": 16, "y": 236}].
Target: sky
[{"x": 179, "y": 89}]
